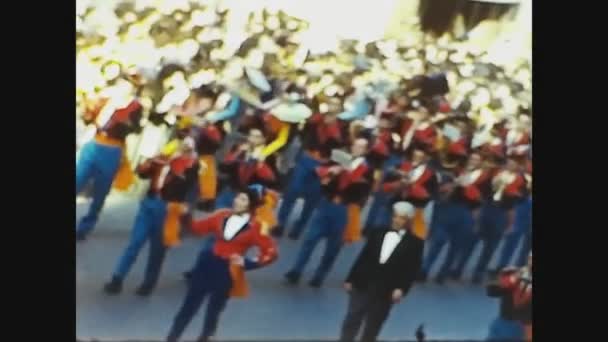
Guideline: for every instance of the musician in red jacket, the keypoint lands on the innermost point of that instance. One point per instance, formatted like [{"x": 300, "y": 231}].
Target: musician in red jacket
[
  {"x": 320, "y": 135},
  {"x": 514, "y": 288},
  {"x": 215, "y": 274},
  {"x": 414, "y": 181},
  {"x": 244, "y": 166},
  {"x": 341, "y": 185},
  {"x": 158, "y": 216},
  {"x": 497, "y": 216},
  {"x": 101, "y": 158}
]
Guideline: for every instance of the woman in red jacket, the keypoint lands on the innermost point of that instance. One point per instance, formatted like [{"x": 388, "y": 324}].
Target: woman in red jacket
[{"x": 218, "y": 270}]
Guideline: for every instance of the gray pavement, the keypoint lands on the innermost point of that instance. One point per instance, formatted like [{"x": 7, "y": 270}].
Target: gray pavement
[{"x": 273, "y": 311}]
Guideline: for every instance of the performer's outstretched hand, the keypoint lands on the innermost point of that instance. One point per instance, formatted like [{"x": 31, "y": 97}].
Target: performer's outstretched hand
[
  {"x": 397, "y": 295},
  {"x": 237, "y": 260}
]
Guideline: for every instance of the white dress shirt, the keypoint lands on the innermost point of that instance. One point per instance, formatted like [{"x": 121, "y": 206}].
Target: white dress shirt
[
  {"x": 391, "y": 240},
  {"x": 234, "y": 224}
]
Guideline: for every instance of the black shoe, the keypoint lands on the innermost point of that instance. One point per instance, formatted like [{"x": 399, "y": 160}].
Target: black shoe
[
  {"x": 292, "y": 277},
  {"x": 477, "y": 279},
  {"x": 277, "y": 232},
  {"x": 440, "y": 280},
  {"x": 80, "y": 237},
  {"x": 203, "y": 339},
  {"x": 144, "y": 290},
  {"x": 315, "y": 283},
  {"x": 455, "y": 276},
  {"x": 422, "y": 276},
  {"x": 113, "y": 287},
  {"x": 293, "y": 236}
]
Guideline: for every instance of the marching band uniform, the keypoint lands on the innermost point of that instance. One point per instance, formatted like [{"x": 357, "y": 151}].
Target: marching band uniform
[
  {"x": 496, "y": 216},
  {"x": 386, "y": 151},
  {"x": 214, "y": 275},
  {"x": 157, "y": 220},
  {"x": 100, "y": 160},
  {"x": 514, "y": 288},
  {"x": 243, "y": 169},
  {"x": 454, "y": 222},
  {"x": 331, "y": 218},
  {"x": 420, "y": 190},
  {"x": 318, "y": 139}
]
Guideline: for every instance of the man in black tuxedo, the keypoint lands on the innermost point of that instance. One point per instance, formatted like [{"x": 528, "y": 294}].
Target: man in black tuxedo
[{"x": 382, "y": 274}]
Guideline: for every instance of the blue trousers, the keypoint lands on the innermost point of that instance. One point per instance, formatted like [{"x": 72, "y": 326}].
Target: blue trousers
[
  {"x": 379, "y": 214},
  {"x": 493, "y": 223},
  {"x": 506, "y": 331},
  {"x": 100, "y": 164},
  {"x": 225, "y": 198},
  {"x": 210, "y": 278},
  {"x": 149, "y": 224},
  {"x": 329, "y": 223},
  {"x": 521, "y": 230},
  {"x": 305, "y": 184},
  {"x": 452, "y": 224}
]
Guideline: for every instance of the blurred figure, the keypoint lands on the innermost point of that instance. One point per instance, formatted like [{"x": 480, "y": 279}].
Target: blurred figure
[
  {"x": 341, "y": 186},
  {"x": 497, "y": 214},
  {"x": 320, "y": 135},
  {"x": 102, "y": 158},
  {"x": 382, "y": 274},
  {"x": 218, "y": 273},
  {"x": 158, "y": 217},
  {"x": 514, "y": 288}
]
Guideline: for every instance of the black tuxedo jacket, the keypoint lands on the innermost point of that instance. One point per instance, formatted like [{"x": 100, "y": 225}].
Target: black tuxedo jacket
[{"x": 399, "y": 271}]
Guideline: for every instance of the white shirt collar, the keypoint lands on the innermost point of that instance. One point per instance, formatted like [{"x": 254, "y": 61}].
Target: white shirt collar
[
  {"x": 389, "y": 243},
  {"x": 234, "y": 224}
]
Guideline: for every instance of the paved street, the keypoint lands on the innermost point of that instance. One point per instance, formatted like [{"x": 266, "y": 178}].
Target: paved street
[{"x": 272, "y": 312}]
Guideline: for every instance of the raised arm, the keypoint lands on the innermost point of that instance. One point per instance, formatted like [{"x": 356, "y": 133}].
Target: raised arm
[{"x": 210, "y": 223}]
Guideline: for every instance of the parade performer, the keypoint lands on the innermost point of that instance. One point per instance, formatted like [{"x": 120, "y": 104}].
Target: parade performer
[
  {"x": 102, "y": 159},
  {"x": 157, "y": 220},
  {"x": 342, "y": 186},
  {"x": 514, "y": 288},
  {"x": 320, "y": 135},
  {"x": 218, "y": 273},
  {"x": 244, "y": 166},
  {"x": 497, "y": 214},
  {"x": 414, "y": 181},
  {"x": 454, "y": 221}
]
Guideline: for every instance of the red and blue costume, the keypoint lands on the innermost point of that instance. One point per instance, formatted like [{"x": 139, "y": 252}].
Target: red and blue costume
[
  {"x": 101, "y": 158},
  {"x": 214, "y": 276},
  {"x": 158, "y": 216},
  {"x": 318, "y": 139},
  {"x": 331, "y": 218}
]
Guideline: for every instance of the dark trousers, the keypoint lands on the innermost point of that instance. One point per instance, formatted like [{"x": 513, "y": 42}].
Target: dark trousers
[
  {"x": 148, "y": 227},
  {"x": 365, "y": 306},
  {"x": 210, "y": 278},
  {"x": 452, "y": 224},
  {"x": 493, "y": 223},
  {"x": 328, "y": 223},
  {"x": 98, "y": 163},
  {"x": 304, "y": 184}
]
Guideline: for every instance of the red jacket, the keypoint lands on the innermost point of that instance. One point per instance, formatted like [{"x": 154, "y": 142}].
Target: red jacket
[{"x": 249, "y": 236}]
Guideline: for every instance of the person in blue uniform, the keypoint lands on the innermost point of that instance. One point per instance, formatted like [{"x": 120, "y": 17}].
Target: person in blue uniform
[
  {"x": 321, "y": 134},
  {"x": 100, "y": 159},
  {"x": 171, "y": 179},
  {"x": 341, "y": 186}
]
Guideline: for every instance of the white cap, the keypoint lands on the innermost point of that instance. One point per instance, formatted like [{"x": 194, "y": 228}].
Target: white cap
[{"x": 404, "y": 209}]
